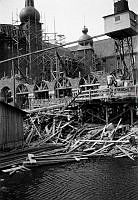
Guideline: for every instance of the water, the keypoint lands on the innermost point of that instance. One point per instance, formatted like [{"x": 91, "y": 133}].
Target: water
[{"x": 97, "y": 179}]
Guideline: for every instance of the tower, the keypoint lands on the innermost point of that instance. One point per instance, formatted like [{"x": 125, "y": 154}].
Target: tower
[
  {"x": 122, "y": 26},
  {"x": 85, "y": 53},
  {"x": 30, "y": 23}
]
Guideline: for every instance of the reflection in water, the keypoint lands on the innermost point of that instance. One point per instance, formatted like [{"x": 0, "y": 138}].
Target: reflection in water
[{"x": 97, "y": 179}]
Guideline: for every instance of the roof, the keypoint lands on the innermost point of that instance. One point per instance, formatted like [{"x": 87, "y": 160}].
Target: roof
[
  {"x": 85, "y": 47},
  {"x": 8, "y": 30},
  {"x": 105, "y": 48},
  {"x": 73, "y": 48},
  {"x": 13, "y": 108},
  {"x": 121, "y": 12},
  {"x": 61, "y": 50}
]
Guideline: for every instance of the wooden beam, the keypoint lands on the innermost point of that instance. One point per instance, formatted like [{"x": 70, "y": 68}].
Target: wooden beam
[
  {"x": 46, "y": 108},
  {"x": 106, "y": 114},
  {"x": 106, "y": 141},
  {"x": 125, "y": 152},
  {"x": 106, "y": 146},
  {"x": 131, "y": 115}
]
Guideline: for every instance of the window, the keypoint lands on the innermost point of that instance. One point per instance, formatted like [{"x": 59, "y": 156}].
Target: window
[{"x": 117, "y": 18}]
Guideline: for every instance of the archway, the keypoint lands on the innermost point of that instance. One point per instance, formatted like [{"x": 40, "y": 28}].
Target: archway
[
  {"x": 63, "y": 88},
  {"x": 89, "y": 82},
  {"x": 6, "y": 94},
  {"x": 91, "y": 78},
  {"x": 82, "y": 81},
  {"x": 22, "y": 100},
  {"x": 41, "y": 90}
]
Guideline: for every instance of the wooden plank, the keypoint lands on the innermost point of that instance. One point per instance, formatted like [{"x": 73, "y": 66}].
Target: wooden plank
[
  {"x": 125, "y": 152},
  {"x": 105, "y": 93},
  {"x": 106, "y": 146},
  {"x": 106, "y": 141},
  {"x": 35, "y": 126},
  {"x": 114, "y": 130},
  {"x": 47, "y": 108}
]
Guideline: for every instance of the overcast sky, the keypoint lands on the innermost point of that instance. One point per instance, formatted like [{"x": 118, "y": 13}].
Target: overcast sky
[{"x": 70, "y": 15}]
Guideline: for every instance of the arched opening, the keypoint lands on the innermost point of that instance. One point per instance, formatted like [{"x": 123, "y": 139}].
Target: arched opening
[
  {"x": 41, "y": 90},
  {"x": 63, "y": 88},
  {"x": 89, "y": 82},
  {"x": 91, "y": 78},
  {"x": 6, "y": 94},
  {"x": 22, "y": 100},
  {"x": 82, "y": 81}
]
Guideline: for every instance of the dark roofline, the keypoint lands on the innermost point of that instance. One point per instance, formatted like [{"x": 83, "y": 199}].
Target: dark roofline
[
  {"x": 119, "y": 13},
  {"x": 13, "y": 107}
]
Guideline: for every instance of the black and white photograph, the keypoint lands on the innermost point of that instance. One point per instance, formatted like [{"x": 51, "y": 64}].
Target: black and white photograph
[{"x": 68, "y": 99}]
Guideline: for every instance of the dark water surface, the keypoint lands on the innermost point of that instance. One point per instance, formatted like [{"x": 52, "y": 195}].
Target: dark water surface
[{"x": 96, "y": 179}]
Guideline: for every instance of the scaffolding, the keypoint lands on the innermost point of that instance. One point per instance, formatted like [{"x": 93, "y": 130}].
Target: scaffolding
[
  {"x": 122, "y": 26},
  {"x": 125, "y": 57}
]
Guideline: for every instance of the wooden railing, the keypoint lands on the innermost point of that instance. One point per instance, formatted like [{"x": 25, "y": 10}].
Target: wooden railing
[
  {"x": 36, "y": 103},
  {"x": 116, "y": 92}
]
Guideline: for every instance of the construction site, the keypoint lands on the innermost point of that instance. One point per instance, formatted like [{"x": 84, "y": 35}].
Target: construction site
[{"x": 63, "y": 102}]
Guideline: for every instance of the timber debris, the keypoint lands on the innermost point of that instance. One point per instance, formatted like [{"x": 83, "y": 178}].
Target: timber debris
[
  {"x": 15, "y": 169},
  {"x": 79, "y": 141}
]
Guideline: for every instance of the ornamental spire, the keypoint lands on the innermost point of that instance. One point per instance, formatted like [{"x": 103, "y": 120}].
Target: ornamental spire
[
  {"x": 85, "y": 30},
  {"x": 29, "y": 3}
]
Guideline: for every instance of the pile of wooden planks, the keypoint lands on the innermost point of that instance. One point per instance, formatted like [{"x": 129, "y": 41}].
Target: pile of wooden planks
[
  {"x": 77, "y": 140},
  {"x": 83, "y": 140},
  {"x": 15, "y": 169}
]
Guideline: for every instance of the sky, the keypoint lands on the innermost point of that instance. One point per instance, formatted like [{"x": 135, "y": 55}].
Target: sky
[{"x": 70, "y": 15}]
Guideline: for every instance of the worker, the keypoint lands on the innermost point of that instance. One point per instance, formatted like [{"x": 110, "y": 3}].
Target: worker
[
  {"x": 120, "y": 81},
  {"x": 111, "y": 80}
]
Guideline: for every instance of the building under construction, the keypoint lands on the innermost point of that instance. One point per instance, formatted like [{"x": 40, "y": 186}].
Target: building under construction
[
  {"x": 37, "y": 78},
  {"x": 66, "y": 90}
]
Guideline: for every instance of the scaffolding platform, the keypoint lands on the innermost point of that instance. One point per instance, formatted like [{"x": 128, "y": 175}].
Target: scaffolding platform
[
  {"x": 109, "y": 105},
  {"x": 108, "y": 93}
]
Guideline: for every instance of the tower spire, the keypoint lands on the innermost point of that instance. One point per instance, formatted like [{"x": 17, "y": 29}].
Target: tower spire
[
  {"x": 29, "y": 12},
  {"x": 29, "y": 3}
]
